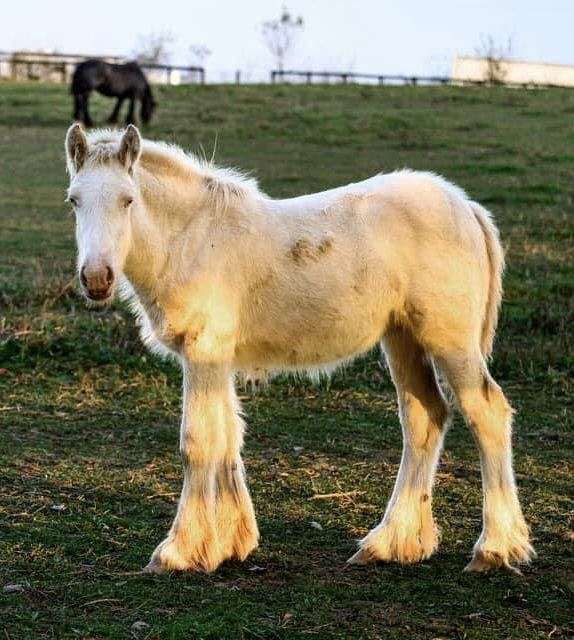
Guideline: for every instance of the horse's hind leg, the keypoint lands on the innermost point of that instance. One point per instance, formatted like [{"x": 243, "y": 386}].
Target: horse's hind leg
[
  {"x": 504, "y": 538},
  {"x": 407, "y": 532}
]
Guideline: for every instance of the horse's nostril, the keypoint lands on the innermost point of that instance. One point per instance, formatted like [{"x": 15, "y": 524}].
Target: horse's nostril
[
  {"x": 83, "y": 278},
  {"x": 109, "y": 276}
]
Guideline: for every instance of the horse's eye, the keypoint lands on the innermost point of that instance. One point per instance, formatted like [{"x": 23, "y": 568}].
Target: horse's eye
[
  {"x": 126, "y": 202},
  {"x": 73, "y": 201}
]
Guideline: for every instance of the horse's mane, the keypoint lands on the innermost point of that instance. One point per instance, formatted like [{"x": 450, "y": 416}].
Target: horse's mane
[{"x": 222, "y": 185}]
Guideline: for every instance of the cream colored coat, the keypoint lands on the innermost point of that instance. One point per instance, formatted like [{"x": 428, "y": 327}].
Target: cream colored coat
[{"x": 231, "y": 281}]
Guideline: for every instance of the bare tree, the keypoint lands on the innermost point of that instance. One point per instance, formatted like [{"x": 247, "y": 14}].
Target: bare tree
[
  {"x": 495, "y": 54},
  {"x": 198, "y": 53},
  {"x": 280, "y": 35},
  {"x": 154, "y": 48}
]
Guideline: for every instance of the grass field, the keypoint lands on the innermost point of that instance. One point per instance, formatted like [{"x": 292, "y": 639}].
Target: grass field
[{"x": 89, "y": 466}]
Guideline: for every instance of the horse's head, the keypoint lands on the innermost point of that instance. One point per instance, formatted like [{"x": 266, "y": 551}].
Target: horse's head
[
  {"x": 148, "y": 106},
  {"x": 103, "y": 195}
]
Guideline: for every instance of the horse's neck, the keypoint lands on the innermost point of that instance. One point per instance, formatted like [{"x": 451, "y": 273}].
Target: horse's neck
[
  {"x": 147, "y": 254},
  {"x": 168, "y": 227}
]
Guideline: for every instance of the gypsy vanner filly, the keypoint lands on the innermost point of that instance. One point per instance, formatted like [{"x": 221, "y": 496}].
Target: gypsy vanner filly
[
  {"x": 122, "y": 81},
  {"x": 232, "y": 282}
]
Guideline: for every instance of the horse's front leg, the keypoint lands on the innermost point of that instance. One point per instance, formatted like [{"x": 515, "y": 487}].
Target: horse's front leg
[
  {"x": 130, "y": 118},
  {"x": 86, "y": 114},
  {"x": 215, "y": 519},
  {"x": 78, "y": 108},
  {"x": 116, "y": 112}
]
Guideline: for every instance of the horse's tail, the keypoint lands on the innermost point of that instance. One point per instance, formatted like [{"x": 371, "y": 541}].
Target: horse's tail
[{"x": 496, "y": 267}]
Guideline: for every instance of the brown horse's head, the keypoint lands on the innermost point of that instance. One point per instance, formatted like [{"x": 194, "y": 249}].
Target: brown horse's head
[{"x": 148, "y": 106}]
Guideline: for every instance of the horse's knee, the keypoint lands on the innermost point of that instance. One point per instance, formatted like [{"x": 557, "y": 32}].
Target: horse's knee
[{"x": 202, "y": 447}]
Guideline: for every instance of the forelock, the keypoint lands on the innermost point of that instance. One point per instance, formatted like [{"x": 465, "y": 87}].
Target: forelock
[{"x": 103, "y": 146}]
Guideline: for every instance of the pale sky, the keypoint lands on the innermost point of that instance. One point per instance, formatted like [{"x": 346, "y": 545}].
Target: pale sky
[{"x": 374, "y": 36}]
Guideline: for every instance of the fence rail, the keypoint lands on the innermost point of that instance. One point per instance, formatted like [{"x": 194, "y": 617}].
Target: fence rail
[
  {"x": 281, "y": 75},
  {"x": 60, "y": 69}
]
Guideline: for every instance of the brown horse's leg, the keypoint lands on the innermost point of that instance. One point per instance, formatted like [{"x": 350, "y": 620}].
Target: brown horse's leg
[
  {"x": 131, "y": 111},
  {"x": 116, "y": 112},
  {"x": 78, "y": 108},
  {"x": 86, "y": 119}
]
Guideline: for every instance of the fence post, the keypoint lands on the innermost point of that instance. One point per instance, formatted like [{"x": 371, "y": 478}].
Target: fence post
[
  {"x": 309, "y": 77},
  {"x": 238, "y": 77}
]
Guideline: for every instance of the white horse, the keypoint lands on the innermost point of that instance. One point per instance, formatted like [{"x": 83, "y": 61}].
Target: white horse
[{"x": 232, "y": 282}]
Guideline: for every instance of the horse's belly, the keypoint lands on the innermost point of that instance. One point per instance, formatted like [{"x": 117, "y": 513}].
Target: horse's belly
[
  {"x": 107, "y": 91},
  {"x": 317, "y": 342}
]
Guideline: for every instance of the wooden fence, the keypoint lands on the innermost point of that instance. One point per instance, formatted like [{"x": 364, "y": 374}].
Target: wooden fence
[
  {"x": 60, "y": 69},
  {"x": 344, "y": 77}
]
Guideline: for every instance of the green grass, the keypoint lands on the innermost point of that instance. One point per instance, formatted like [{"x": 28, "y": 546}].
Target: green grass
[{"x": 89, "y": 469}]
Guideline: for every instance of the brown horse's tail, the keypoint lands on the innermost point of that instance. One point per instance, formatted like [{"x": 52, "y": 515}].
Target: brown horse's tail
[{"x": 496, "y": 267}]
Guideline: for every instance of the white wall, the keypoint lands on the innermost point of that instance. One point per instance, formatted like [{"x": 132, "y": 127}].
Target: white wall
[{"x": 515, "y": 72}]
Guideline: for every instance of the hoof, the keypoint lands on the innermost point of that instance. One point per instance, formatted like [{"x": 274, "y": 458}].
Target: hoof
[
  {"x": 155, "y": 568},
  {"x": 489, "y": 559},
  {"x": 245, "y": 540},
  {"x": 362, "y": 557},
  {"x": 392, "y": 544},
  {"x": 171, "y": 556}
]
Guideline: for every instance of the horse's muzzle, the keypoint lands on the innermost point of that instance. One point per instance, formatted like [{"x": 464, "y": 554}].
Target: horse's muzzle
[{"x": 97, "y": 283}]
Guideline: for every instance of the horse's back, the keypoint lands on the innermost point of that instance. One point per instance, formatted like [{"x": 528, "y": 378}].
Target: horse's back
[
  {"x": 108, "y": 78},
  {"x": 409, "y": 210},
  {"x": 420, "y": 192}
]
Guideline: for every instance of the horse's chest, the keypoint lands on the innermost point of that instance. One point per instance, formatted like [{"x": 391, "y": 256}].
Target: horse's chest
[
  {"x": 188, "y": 325},
  {"x": 155, "y": 330}
]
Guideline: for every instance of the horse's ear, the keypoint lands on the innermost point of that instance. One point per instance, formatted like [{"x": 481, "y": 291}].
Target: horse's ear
[
  {"x": 76, "y": 147},
  {"x": 130, "y": 147}
]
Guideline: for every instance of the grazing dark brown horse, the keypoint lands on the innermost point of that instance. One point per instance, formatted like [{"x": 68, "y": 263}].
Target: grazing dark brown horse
[{"x": 121, "y": 81}]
